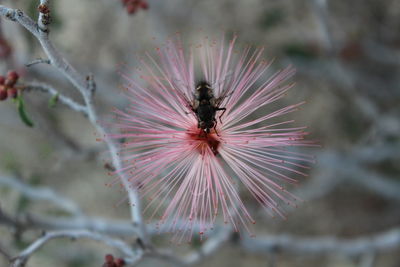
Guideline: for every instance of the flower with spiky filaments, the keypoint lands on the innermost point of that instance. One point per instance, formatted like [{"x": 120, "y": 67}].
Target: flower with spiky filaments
[{"x": 188, "y": 176}]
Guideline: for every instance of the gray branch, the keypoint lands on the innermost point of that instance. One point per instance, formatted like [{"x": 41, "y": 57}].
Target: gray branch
[
  {"x": 37, "y": 61},
  {"x": 123, "y": 247},
  {"x": 384, "y": 241},
  {"x": 45, "y": 88},
  {"x": 41, "y": 193},
  {"x": 85, "y": 87},
  {"x": 210, "y": 247}
]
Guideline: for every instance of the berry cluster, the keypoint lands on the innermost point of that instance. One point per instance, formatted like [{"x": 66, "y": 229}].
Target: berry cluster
[
  {"x": 7, "y": 85},
  {"x": 111, "y": 262},
  {"x": 134, "y": 5}
]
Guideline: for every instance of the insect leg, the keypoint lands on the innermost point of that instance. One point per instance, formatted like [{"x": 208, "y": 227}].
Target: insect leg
[
  {"x": 224, "y": 110},
  {"x": 215, "y": 127}
]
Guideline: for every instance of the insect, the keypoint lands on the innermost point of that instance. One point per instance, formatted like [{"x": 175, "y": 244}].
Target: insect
[{"x": 205, "y": 106}]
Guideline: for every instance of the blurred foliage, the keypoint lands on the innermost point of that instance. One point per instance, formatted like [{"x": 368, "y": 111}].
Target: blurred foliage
[
  {"x": 9, "y": 162},
  {"x": 58, "y": 212},
  {"x": 352, "y": 124},
  {"x": 196, "y": 243},
  {"x": 271, "y": 18},
  {"x": 300, "y": 50},
  {"x": 388, "y": 167},
  {"x": 53, "y": 101},
  {"x": 46, "y": 150},
  {"x": 23, "y": 203}
]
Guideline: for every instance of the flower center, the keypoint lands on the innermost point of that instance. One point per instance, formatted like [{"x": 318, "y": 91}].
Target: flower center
[{"x": 204, "y": 140}]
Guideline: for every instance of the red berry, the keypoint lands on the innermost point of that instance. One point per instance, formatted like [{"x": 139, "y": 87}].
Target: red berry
[
  {"x": 109, "y": 258},
  {"x": 10, "y": 82},
  {"x": 124, "y": 2},
  {"x": 12, "y": 92},
  {"x": 12, "y": 75},
  {"x": 3, "y": 94},
  {"x": 2, "y": 80},
  {"x": 131, "y": 8},
  {"x": 119, "y": 262},
  {"x": 144, "y": 5}
]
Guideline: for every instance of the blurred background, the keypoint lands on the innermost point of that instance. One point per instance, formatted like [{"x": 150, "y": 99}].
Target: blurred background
[{"x": 347, "y": 56}]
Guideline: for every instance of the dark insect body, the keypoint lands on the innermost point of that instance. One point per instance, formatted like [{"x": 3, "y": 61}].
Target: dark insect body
[{"x": 205, "y": 106}]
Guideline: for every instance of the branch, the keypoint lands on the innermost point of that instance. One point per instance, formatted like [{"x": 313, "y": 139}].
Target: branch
[
  {"x": 101, "y": 225},
  {"x": 19, "y": 16},
  {"x": 37, "y": 61},
  {"x": 45, "y": 88},
  {"x": 385, "y": 241},
  {"x": 96, "y": 224},
  {"x": 338, "y": 167},
  {"x": 349, "y": 168},
  {"x": 320, "y": 9},
  {"x": 85, "y": 87},
  {"x": 78, "y": 222},
  {"x": 22, "y": 258},
  {"x": 41, "y": 193},
  {"x": 210, "y": 247}
]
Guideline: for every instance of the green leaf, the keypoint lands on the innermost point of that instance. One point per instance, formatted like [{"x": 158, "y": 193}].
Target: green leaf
[
  {"x": 22, "y": 204},
  {"x": 53, "y": 100},
  {"x": 22, "y": 112}
]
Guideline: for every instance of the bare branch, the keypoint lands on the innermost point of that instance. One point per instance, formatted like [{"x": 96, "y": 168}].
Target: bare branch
[
  {"x": 101, "y": 225},
  {"x": 210, "y": 247},
  {"x": 320, "y": 8},
  {"x": 41, "y": 193},
  {"x": 385, "y": 241},
  {"x": 347, "y": 167},
  {"x": 37, "y": 61},
  {"x": 45, "y": 88},
  {"x": 21, "y": 18},
  {"x": 124, "y": 248}
]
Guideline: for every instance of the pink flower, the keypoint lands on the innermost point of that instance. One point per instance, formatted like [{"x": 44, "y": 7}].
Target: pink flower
[{"x": 189, "y": 176}]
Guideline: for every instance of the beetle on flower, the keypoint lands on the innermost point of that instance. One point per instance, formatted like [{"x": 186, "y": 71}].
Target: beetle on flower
[{"x": 190, "y": 174}]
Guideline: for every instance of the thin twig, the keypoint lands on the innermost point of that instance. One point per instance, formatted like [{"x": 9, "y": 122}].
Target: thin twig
[
  {"x": 210, "y": 247},
  {"x": 384, "y": 241},
  {"x": 41, "y": 193},
  {"x": 124, "y": 248},
  {"x": 320, "y": 8},
  {"x": 347, "y": 167},
  {"x": 37, "y": 61},
  {"x": 45, "y": 88}
]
